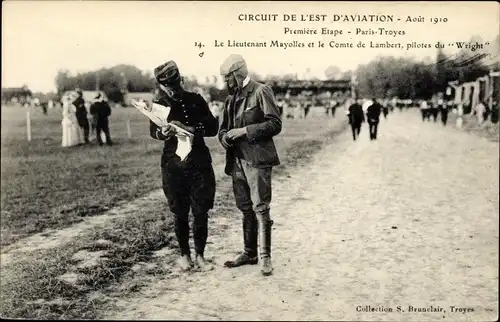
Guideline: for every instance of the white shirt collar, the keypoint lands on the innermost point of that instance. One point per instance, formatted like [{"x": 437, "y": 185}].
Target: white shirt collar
[{"x": 246, "y": 81}]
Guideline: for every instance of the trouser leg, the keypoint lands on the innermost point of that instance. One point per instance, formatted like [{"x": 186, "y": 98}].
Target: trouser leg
[
  {"x": 259, "y": 181},
  {"x": 105, "y": 128},
  {"x": 98, "y": 130},
  {"x": 202, "y": 196},
  {"x": 444, "y": 116},
  {"x": 243, "y": 200},
  {"x": 84, "y": 125},
  {"x": 354, "y": 130},
  {"x": 176, "y": 191},
  {"x": 86, "y": 130}
]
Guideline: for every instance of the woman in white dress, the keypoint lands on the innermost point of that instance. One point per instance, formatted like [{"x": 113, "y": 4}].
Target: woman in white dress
[{"x": 70, "y": 130}]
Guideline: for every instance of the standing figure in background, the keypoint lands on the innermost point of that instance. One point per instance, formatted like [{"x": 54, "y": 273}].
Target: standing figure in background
[
  {"x": 424, "y": 110},
  {"x": 480, "y": 110},
  {"x": 92, "y": 121},
  {"x": 443, "y": 109},
  {"x": 373, "y": 116},
  {"x": 81, "y": 115},
  {"x": 307, "y": 107},
  {"x": 356, "y": 118},
  {"x": 70, "y": 128},
  {"x": 280, "y": 104},
  {"x": 436, "y": 106},
  {"x": 44, "y": 106},
  {"x": 100, "y": 112},
  {"x": 386, "y": 108}
]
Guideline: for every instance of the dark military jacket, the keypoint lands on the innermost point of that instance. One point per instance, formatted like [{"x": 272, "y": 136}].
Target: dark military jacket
[
  {"x": 100, "y": 110},
  {"x": 81, "y": 111},
  {"x": 190, "y": 110},
  {"x": 356, "y": 115},
  {"x": 373, "y": 111}
]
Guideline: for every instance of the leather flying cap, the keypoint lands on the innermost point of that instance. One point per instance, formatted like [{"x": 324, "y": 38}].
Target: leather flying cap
[
  {"x": 231, "y": 64},
  {"x": 167, "y": 73}
]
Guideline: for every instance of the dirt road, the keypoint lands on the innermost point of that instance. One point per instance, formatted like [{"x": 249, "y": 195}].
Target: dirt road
[{"x": 408, "y": 220}]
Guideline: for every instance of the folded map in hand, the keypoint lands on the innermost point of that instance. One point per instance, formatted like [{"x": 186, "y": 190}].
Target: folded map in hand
[{"x": 159, "y": 115}]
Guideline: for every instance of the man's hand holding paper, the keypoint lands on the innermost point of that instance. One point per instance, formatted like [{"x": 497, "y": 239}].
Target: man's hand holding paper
[
  {"x": 187, "y": 128},
  {"x": 168, "y": 131}
]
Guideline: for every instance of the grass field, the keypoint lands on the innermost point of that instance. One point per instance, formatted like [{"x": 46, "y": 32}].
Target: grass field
[{"x": 46, "y": 186}]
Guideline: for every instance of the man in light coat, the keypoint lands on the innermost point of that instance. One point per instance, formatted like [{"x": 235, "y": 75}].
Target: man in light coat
[{"x": 250, "y": 120}]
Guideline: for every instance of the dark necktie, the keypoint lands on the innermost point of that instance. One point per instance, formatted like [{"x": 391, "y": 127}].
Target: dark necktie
[{"x": 233, "y": 107}]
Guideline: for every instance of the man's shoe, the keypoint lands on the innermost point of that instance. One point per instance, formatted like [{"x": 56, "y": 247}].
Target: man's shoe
[
  {"x": 202, "y": 263},
  {"x": 267, "y": 268},
  {"x": 185, "y": 263},
  {"x": 242, "y": 259}
]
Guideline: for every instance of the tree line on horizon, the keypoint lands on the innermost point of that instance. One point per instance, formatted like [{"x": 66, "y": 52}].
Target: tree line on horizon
[
  {"x": 387, "y": 76},
  {"x": 383, "y": 76}
]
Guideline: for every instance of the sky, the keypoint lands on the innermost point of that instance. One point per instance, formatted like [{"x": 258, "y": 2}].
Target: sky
[{"x": 39, "y": 38}]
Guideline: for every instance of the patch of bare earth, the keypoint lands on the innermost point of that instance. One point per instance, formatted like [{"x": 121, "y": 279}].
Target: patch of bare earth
[{"x": 409, "y": 220}]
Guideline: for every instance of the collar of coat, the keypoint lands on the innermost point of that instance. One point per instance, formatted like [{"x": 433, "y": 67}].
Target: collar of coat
[{"x": 248, "y": 89}]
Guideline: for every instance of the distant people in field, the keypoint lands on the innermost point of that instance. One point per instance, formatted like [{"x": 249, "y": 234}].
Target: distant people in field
[
  {"x": 81, "y": 115},
  {"x": 70, "y": 128},
  {"x": 100, "y": 111},
  {"x": 443, "y": 110},
  {"x": 425, "y": 110},
  {"x": 373, "y": 116},
  {"x": 306, "y": 108},
  {"x": 280, "y": 104},
  {"x": 356, "y": 118},
  {"x": 385, "y": 109},
  {"x": 434, "y": 109}
]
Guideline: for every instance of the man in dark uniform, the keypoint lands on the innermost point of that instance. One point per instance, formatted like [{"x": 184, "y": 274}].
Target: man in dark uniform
[
  {"x": 373, "y": 116},
  {"x": 356, "y": 118},
  {"x": 81, "y": 115},
  {"x": 435, "y": 109},
  {"x": 385, "y": 109},
  {"x": 189, "y": 183},
  {"x": 250, "y": 121},
  {"x": 100, "y": 111}
]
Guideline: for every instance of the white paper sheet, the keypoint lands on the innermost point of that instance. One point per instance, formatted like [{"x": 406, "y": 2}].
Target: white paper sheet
[{"x": 159, "y": 114}]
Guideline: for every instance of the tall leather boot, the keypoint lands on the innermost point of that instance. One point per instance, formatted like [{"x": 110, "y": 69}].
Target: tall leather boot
[
  {"x": 265, "y": 230},
  {"x": 250, "y": 235}
]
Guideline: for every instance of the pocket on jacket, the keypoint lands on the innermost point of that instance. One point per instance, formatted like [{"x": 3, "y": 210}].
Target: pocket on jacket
[
  {"x": 253, "y": 115},
  {"x": 262, "y": 153}
]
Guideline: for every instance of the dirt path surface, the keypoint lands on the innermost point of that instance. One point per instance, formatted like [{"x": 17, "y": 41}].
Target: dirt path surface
[{"x": 408, "y": 220}]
